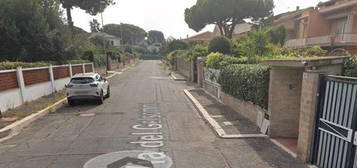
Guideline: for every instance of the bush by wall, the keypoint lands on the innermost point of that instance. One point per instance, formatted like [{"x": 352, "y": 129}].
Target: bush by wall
[
  {"x": 220, "y": 44},
  {"x": 350, "y": 67},
  {"x": 246, "y": 82},
  {"x": 219, "y": 60},
  {"x": 13, "y": 65}
]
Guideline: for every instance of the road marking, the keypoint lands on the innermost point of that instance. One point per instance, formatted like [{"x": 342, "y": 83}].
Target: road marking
[
  {"x": 149, "y": 125},
  {"x": 130, "y": 159}
]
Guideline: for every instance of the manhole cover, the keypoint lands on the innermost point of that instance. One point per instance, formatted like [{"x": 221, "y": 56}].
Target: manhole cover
[
  {"x": 87, "y": 114},
  {"x": 130, "y": 159}
]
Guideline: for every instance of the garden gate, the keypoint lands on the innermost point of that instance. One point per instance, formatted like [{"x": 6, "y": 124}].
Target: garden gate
[{"x": 335, "y": 135}]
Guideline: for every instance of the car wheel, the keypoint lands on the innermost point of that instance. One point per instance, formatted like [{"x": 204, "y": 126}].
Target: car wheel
[
  {"x": 71, "y": 102},
  {"x": 108, "y": 92},
  {"x": 101, "y": 98}
]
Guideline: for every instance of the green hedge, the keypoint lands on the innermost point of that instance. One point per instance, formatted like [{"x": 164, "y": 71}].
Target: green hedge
[
  {"x": 350, "y": 67},
  {"x": 13, "y": 65},
  {"x": 246, "y": 82},
  {"x": 218, "y": 60}
]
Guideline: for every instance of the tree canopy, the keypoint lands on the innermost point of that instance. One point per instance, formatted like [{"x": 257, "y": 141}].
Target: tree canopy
[
  {"x": 92, "y": 7},
  {"x": 226, "y": 14},
  {"x": 129, "y": 34},
  {"x": 94, "y": 26},
  {"x": 156, "y": 37}
]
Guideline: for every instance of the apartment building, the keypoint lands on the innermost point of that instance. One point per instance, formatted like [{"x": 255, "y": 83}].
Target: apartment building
[{"x": 331, "y": 24}]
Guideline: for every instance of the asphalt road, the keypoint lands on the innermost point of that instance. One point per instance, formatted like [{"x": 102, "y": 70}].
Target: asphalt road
[{"x": 146, "y": 111}]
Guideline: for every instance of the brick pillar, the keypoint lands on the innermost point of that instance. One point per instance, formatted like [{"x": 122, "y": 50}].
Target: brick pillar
[
  {"x": 309, "y": 102},
  {"x": 284, "y": 101}
]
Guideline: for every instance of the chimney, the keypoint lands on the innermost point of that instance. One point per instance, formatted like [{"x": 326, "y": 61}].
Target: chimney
[{"x": 297, "y": 8}]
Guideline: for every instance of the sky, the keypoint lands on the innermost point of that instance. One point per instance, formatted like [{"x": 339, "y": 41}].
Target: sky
[{"x": 163, "y": 15}]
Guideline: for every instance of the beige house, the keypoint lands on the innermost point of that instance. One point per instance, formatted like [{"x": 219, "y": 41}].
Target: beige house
[{"x": 109, "y": 39}]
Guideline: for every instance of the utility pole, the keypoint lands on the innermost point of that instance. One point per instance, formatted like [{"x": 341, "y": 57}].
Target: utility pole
[{"x": 104, "y": 46}]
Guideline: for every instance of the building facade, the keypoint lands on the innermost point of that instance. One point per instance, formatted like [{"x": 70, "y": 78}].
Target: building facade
[{"x": 331, "y": 25}]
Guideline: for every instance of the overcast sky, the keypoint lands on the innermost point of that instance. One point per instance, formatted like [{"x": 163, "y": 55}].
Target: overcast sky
[{"x": 164, "y": 15}]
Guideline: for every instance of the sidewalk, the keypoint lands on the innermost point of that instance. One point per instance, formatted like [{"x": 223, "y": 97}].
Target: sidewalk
[
  {"x": 240, "y": 136},
  {"x": 225, "y": 121}
]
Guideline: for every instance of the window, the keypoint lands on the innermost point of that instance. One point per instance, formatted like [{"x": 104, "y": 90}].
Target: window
[
  {"x": 83, "y": 80},
  {"x": 339, "y": 26}
]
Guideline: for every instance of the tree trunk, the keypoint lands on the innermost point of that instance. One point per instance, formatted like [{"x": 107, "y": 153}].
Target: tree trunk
[{"x": 69, "y": 18}]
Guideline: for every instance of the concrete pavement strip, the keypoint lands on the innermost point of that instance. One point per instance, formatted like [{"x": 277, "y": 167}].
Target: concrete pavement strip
[
  {"x": 213, "y": 123},
  {"x": 15, "y": 128},
  {"x": 176, "y": 78}
]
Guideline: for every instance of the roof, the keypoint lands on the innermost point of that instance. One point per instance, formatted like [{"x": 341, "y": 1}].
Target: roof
[
  {"x": 205, "y": 37},
  {"x": 238, "y": 30},
  {"x": 336, "y": 5},
  {"x": 289, "y": 15},
  {"x": 88, "y": 75},
  {"x": 104, "y": 35}
]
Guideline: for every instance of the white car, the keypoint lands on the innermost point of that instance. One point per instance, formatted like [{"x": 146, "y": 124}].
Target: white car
[{"x": 87, "y": 86}]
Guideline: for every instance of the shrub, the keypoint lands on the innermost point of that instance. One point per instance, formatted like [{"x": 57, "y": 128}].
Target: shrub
[
  {"x": 246, "y": 82},
  {"x": 314, "y": 51},
  {"x": 176, "y": 45},
  {"x": 219, "y": 60},
  {"x": 174, "y": 54},
  {"x": 350, "y": 67},
  {"x": 197, "y": 51},
  {"x": 220, "y": 44},
  {"x": 255, "y": 43}
]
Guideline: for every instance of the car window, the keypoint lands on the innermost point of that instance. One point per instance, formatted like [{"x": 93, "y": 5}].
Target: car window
[{"x": 83, "y": 80}]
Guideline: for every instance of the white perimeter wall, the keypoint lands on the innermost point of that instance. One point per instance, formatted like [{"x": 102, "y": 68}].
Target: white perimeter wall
[
  {"x": 12, "y": 98},
  {"x": 9, "y": 99}
]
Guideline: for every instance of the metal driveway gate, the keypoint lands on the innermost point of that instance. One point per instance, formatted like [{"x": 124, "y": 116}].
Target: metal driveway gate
[{"x": 336, "y": 123}]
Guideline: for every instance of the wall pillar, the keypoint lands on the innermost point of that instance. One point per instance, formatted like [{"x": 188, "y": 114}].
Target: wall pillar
[
  {"x": 52, "y": 79},
  {"x": 84, "y": 68},
  {"x": 284, "y": 101},
  {"x": 70, "y": 70},
  {"x": 309, "y": 101},
  {"x": 200, "y": 72},
  {"x": 21, "y": 83}
]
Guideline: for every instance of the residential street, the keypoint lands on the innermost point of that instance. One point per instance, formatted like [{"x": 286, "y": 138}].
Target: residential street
[{"x": 145, "y": 106}]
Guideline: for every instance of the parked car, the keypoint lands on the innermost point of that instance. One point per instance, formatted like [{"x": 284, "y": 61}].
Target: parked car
[{"x": 87, "y": 86}]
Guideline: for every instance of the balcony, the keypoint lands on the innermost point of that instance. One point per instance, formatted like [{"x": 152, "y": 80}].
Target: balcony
[{"x": 331, "y": 40}]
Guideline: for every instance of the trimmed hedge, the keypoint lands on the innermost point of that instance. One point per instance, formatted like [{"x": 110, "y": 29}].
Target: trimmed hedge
[
  {"x": 219, "y": 60},
  {"x": 350, "y": 67},
  {"x": 246, "y": 82}
]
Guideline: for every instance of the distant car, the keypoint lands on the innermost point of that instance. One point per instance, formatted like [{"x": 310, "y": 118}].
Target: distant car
[{"x": 87, "y": 86}]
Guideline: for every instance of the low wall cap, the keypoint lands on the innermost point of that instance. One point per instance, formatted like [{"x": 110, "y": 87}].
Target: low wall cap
[{"x": 306, "y": 62}]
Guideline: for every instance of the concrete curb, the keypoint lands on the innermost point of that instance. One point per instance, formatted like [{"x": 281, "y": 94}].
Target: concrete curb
[
  {"x": 213, "y": 123},
  {"x": 176, "y": 78},
  {"x": 16, "y": 127}
]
